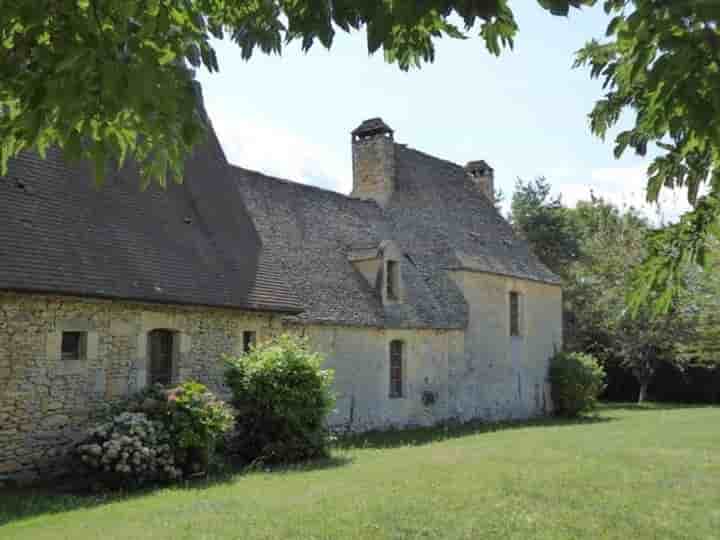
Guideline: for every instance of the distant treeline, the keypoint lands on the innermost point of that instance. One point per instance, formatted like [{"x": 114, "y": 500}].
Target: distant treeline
[{"x": 598, "y": 249}]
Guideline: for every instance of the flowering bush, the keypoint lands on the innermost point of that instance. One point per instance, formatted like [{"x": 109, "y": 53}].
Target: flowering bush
[
  {"x": 160, "y": 433},
  {"x": 282, "y": 398},
  {"x": 196, "y": 419},
  {"x": 131, "y": 448}
]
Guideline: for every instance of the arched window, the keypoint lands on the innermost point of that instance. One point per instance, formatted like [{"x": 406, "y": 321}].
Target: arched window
[
  {"x": 161, "y": 345},
  {"x": 396, "y": 369}
]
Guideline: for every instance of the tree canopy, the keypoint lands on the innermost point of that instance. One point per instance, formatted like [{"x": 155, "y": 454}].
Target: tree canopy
[
  {"x": 661, "y": 62},
  {"x": 109, "y": 79}
]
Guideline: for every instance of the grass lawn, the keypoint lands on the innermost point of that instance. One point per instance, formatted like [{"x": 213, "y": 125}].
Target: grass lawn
[{"x": 629, "y": 473}]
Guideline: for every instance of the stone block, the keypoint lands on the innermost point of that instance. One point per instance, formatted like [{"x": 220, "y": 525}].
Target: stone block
[{"x": 9, "y": 467}]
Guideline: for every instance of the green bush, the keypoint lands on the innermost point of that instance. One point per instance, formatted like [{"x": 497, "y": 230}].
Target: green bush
[
  {"x": 577, "y": 380},
  {"x": 196, "y": 420},
  {"x": 159, "y": 433},
  {"x": 282, "y": 399}
]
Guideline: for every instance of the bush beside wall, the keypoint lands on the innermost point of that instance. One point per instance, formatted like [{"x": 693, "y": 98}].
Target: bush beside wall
[
  {"x": 282, "y": 398},
  {"x": 577, "y": 380}
]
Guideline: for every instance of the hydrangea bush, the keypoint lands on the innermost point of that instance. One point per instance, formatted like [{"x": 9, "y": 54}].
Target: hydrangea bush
[
  {"x": 131, "y": 447},
  {"x": 159, "y": 433}
]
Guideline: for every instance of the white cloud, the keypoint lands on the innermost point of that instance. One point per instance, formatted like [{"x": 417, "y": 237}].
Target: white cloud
[
  {"x": 253, "y": 142},
  {"x": 625, "y": 187}
]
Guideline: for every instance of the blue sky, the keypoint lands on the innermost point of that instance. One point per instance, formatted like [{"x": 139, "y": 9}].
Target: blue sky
[{"x": 525, "y": 112}]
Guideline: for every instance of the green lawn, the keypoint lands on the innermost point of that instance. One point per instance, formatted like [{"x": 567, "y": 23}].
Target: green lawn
[{"x": 629, "y": 473}]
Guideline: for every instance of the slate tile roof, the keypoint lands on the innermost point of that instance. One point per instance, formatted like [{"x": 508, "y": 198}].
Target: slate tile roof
[
  {"x": 236, "y": 238},
  {"x": 436, "y": 216},
  {"x": 192, "y": 244}
]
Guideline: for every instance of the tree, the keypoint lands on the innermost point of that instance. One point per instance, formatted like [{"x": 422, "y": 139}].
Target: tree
[
  {"x": 545, "y": 223},
  {"x": 106, "y": 80},
  {"x": 597, "y": 284},
  {"x": 600, "y": 248},
  {"x": 701, "y": 301},
  {"x": 661, "y": 62}
]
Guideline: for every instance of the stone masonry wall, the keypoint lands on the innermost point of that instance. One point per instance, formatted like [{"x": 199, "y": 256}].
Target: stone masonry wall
[
  {"x": 46, "y": 402},
  {"x": 374, "y": 168},
  {"x": 481, "y": 372}
]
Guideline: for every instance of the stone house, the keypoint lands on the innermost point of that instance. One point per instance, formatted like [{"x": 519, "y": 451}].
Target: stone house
[{"x": 414, "y": 287}]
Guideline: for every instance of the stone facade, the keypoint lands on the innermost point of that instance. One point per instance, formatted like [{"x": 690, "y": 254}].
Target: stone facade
[
  {"x": 46, "y": 402},
  {"x": 405, "y": 286},
  {"x": 374, "y": 168}
]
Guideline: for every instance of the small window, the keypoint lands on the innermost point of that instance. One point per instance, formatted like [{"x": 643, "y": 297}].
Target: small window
[
  {"x": 73, "y": 345},
  {"x": 396, "y": 369},
  {"x": 514, "y": 314},
  {"x": 248, "y": 341},
  {"x": 392, "y": 280}
]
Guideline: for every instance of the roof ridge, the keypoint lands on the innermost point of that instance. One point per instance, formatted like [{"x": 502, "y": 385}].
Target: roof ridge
[
  {"x": 299, "y": 184},
  {"x": 430, "y": 156}
]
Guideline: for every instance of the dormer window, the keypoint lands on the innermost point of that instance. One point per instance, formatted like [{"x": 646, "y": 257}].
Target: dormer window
[{"x": 392, "y": 280}]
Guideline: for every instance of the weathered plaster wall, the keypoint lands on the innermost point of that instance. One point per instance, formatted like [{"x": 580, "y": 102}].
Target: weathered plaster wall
[
  {"x": 506, "y": 377},
  {"x": 45, "y": 402},
  {"x": 360, "y": 359}
]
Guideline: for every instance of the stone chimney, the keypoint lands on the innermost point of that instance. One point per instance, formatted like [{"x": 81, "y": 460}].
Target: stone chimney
[
  {"x": 373, "y": 152},
  {"x": 483, "y": 176}
]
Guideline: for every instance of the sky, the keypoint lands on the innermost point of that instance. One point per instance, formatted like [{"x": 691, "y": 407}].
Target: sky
[{"x": 525, "y": 112}]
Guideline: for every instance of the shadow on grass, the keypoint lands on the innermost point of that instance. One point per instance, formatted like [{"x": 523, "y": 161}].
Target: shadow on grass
[
  {"x": 78, "y": 494},
  {"x": 427, "y": 435},
  {"x": 650, "y": 406}
]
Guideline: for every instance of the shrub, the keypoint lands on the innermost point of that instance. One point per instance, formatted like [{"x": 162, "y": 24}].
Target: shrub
[
  {"x": 577, "y": 380},
  {"x": 282, "y": 399},
  {"x": 180, "y": 426},
  {"x": 130, "y": 448}
]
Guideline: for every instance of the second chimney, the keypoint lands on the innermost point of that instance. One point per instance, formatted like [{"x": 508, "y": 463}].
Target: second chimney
[{"x": 483, "y": 176}]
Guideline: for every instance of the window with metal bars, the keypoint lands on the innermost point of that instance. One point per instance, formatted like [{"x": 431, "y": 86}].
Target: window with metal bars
[
  {"x": 514, "y": 314},
  {"x": 396, "y": 369}
]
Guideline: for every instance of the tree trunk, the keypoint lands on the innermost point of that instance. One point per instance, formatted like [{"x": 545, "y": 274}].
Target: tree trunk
[{"x": 643, "y": 391}]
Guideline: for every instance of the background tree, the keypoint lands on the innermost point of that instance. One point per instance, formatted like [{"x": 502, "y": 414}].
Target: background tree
[
  {"x": 602, "y": 248},
  {"x": 701, "y": 301},
  {"x": 545, "y": 223}
]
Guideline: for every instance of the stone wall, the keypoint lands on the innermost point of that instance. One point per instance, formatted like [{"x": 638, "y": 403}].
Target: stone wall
[
  {"x": 46, "y": 402},
  {"x": 374, "y": 168}
]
